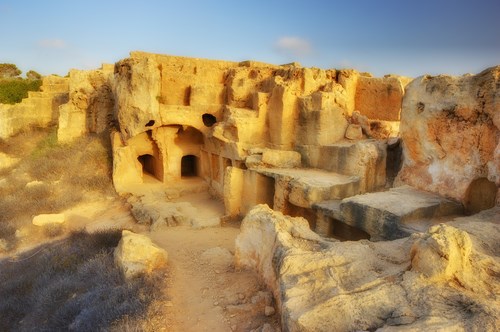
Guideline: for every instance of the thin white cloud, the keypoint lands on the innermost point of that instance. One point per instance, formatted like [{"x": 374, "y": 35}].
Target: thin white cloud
[
  {"x": 52, "y": 43},
  {"x": 294, "y": 46}
]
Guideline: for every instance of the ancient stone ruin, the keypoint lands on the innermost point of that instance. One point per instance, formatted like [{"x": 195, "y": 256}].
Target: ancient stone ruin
[{"x": 355, "y": 156}]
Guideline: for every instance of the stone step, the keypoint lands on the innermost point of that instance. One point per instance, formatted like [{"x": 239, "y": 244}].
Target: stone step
[
  {"x": 329, "y": 208},
  {"x": 309, "y": 186},
  {"x": 363, "y": 158},
  {"x": 389, "y": 215}
]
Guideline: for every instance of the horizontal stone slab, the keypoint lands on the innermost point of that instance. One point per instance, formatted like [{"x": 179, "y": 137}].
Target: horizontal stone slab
[{"x": 386, "y": 215}]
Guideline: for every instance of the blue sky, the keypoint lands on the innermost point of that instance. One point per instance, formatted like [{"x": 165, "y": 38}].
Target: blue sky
[{"x": 380, "y": 36}]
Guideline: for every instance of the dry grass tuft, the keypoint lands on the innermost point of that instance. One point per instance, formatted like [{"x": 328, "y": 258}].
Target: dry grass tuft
[{"x": 73, "y": 284}]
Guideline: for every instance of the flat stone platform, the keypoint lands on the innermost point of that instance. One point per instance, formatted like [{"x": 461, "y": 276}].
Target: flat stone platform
[
  {"x": 389, "y": 214},
  {"x": 309, "y": 186}
]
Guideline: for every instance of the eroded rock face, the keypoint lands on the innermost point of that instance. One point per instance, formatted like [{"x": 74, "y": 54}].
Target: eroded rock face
[
  {"x": 137, "y": 91},
  {"x": 442, "y": 253},
  {"x": 450, "y": 127},
  {"x": 90, "y": 105},
  {"x": 345, "y": 286}
]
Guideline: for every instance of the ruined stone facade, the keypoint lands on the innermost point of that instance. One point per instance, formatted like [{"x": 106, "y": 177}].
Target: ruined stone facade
[
  {"x": 40, "y": 109},
  {"x": 303, "y": 154},
  {"x": 305, "y": 141},
  {"x": 256, "y": 133},
  {"x": 90, "y": 105}
]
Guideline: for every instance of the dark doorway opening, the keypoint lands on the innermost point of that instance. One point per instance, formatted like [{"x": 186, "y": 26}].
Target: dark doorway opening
[
  {"x": 148, "y": 164},
  {"x": 189, "y": 166}
]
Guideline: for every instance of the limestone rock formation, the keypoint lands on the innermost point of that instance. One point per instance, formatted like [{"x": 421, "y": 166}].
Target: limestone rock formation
[
  {"x": 395, "y": 213},
  {"x": 180, "y": 117},
  {"x": 90, "y": 105},
  {"x": 136, "y": 254},
  {"x": 391, "y": 286},
  {"x": 443, "y": 254},
  {"x": 450, "y": 128}
]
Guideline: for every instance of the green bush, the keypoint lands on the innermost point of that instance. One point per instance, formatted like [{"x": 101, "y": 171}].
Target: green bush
[{"x": 13, "y": 90}]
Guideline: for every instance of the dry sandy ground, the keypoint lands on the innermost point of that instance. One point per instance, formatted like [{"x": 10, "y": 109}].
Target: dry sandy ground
[{"x": 206, "y": 293}]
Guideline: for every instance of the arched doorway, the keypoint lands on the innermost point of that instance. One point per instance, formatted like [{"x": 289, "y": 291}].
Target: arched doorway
[
  {"x": 151, "y": 166},
  {"x": 189, "y": 166}
]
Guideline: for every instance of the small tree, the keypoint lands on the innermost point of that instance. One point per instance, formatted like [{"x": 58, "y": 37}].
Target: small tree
[
  {"x": 9, "y": 70},
  {"x": 33, "y": 75}
]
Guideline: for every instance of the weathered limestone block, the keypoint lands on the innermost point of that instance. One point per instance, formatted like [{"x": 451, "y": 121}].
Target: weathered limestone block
[
  {"x": 315, "y": 186},
  {"x": 442, "y": 254},
  {"x": 233, "y": 190},
  {"x": 136, "y": 254},
  {"x": 450, "y": 127},
  {"x": 354, "y": 132},
  {"x": 379, "y": 98},
  {"x": 137, "y": 93},
  {"x": 90, "y": 105},
  {"x": 72, "y": 123},
  {"x": 47, "y": 219},
  {"x": 365, "y": 159},
  {"x": 243, "y": 126},
  {"x": 348, "y": 78},
  {"x": 321, "y": 126},
  {"x": 282, "y": 115},
  {"x": 281, "y": 158},
  {"x": 55, "y": 84},
  {"x": 126, "y": 168},
  {"x": 362, "y": 285},
  {"x": 257, "y": 189},
  {"x": 207, "y": 94},
  {"x": 377, "y": 129},
  {"x": 244, "y": 81},
  {"x": 181, "y": 79},
  {"x": 389, "y": 214},
  {"x": 257, "y": 240},
  {"x": 304, "y": 187}
]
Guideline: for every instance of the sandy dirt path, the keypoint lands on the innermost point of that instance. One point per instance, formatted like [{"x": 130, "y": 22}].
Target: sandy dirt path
[{"x": 205, "y": 291}]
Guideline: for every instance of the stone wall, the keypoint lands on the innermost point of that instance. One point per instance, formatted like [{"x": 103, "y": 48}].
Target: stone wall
[{"x": 40, "y": 109}]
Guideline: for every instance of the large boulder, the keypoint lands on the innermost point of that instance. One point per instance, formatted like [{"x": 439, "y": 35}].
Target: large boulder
[
  {"x": 446, "y": 279},
  {"x": 450, "y": 127},
  {"x": 136, "y": 254}
]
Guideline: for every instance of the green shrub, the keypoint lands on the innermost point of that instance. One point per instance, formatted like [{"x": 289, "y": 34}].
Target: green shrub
[{"x": 13, "y": 90}]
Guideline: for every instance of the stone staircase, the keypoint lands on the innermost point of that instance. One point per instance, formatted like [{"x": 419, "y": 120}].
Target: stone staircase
[{"x": 380, "y": 215}]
